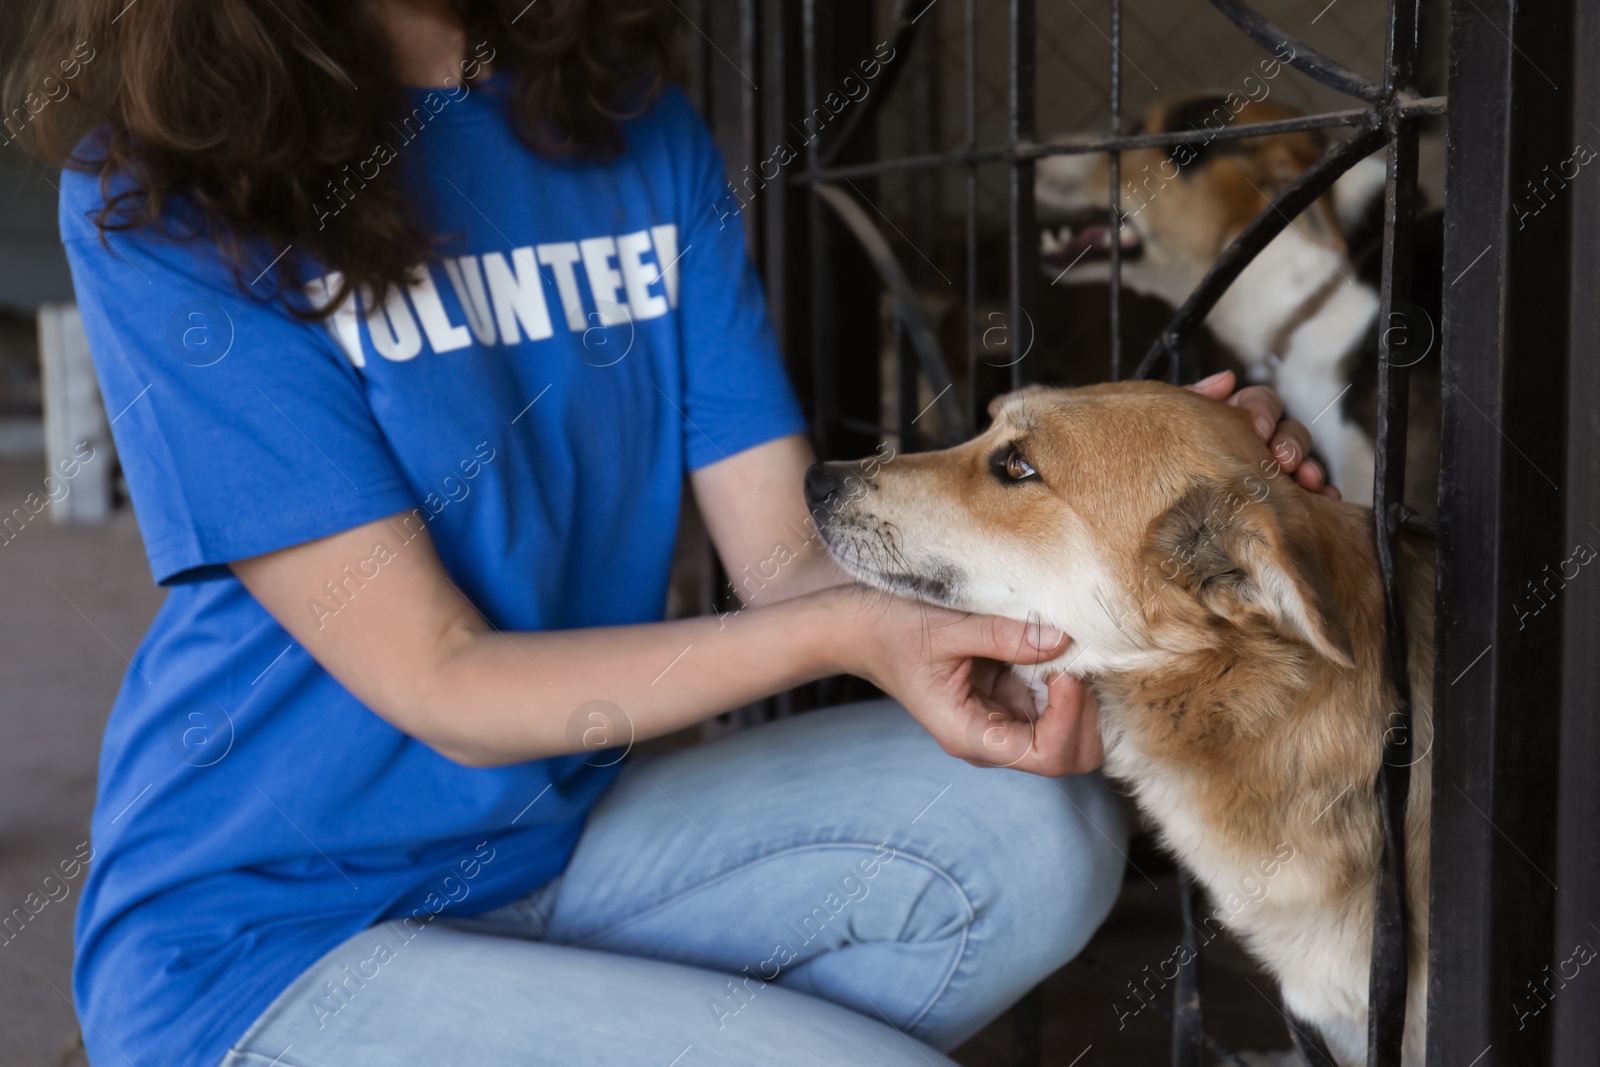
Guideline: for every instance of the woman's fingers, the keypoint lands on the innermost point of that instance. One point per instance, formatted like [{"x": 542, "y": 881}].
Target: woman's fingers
[
  {"x": 1265, "y": 408},
  {"x": 1311, "y": 476},
  {"x": 1218, "y": 387},
  {"x": 1091, "y": 750},
  {"x": 1289, "y": 439},
  {"x": 1290, "y": 444},
  {"x": 1007, "y": 640},
  {"x": 1063, "y": 738},
  {"x": 1068, "y": 734}
]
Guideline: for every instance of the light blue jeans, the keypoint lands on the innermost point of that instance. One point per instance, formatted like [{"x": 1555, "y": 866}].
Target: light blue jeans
[{"x": 828, "y": 889}]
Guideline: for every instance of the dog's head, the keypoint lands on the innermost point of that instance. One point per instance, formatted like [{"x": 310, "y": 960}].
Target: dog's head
[
  {"x": 1181, "y": 205},
  {"x": 1142, "y": 519}
]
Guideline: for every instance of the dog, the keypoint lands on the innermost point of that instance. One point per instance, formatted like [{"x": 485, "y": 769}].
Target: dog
[
  {"x": 1304, "y": 315},
  {"x": 1231, "y": 627}
]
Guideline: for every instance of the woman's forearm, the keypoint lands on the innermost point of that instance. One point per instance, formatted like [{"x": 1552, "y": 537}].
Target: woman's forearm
[
  {"x": 415, "y": 650},
  {"x": 502, "y": 697}
]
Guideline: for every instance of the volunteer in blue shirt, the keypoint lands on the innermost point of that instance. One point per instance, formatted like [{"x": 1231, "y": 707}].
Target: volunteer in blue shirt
[{"x": 412, "y": 317}]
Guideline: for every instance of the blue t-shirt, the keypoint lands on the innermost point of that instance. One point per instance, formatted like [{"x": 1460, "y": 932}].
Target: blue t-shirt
[{"x": 590, "y": 333}]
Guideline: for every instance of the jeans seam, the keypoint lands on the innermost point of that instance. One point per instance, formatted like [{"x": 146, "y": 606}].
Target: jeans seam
[
  {"x": 961, "y": 947},
  {"x": 961, "y": 893}
]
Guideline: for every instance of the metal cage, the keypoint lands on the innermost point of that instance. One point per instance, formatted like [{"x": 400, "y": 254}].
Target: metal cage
[{"x": 1515, "y": 880}]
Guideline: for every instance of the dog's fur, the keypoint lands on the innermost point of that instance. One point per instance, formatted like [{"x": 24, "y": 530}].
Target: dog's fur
[
  {"x": 1231, "y": 625},
  {"x": 1302, "y": 316}
]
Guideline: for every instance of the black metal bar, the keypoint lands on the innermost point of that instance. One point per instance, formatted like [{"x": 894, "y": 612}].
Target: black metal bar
[
  {"x": 907, "y": 408},
  {"x": 774, "y": 207},
  {"x": 1388, "y": 981},
  {"x": 1024, "y": 235},
  {"x": 822, "y": 376},
  {"x": 1034, "y": 150},
  {"x": 971, "y": 63},
  {"x": 1577, "y": 1009},
  {"x": 1499, "y": 664},
  {"x": 1305, "y": 59},
  {"x": 1114, "y": 296},
  {"x": 1298, "y": 196},
  {"x": 1390, "y": 932},
  {"x": 749, "y": 107},
  {"x": 1188, "y": 1025},
  {"x": 1400, "y": 49},
  {"x": 1029, "y": 1015}
]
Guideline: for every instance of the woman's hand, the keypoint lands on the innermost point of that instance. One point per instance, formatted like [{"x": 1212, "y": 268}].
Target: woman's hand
[
  {"x": 953, "y": 672},
  {"x": 1289, "y": 439}
]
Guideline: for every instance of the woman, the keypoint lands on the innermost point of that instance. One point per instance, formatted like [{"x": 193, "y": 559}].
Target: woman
[{"x": 413, "y": 316}]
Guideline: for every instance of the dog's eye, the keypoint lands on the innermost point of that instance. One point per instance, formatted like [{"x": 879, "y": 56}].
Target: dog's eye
[{"x": 1017, "y": 468}]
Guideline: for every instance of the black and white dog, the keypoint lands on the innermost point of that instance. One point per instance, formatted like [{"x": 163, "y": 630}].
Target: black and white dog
[{"x": 1304, "y": 316}]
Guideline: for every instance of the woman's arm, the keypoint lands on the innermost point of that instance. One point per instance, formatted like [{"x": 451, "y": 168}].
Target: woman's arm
[
  {"x": 411, "y": 647},
  {"x": 755, "y": 511}
]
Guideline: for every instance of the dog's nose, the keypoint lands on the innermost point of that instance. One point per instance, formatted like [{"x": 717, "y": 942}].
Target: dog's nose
[{"x": 823, "y": 487}]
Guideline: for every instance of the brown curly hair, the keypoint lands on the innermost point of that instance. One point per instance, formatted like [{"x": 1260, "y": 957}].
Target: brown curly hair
[{"x": 252, "y": 110}]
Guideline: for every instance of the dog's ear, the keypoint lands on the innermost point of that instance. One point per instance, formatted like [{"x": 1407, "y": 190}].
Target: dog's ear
[{"x": 1226, "y": 544}]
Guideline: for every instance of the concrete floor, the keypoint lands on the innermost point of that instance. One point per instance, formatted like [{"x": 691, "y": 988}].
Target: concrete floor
[
  {"x": 76, "y": 601},
  {"x": 79, "y": 599}
]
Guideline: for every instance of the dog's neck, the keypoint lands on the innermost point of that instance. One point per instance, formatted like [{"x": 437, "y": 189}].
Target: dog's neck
[
  {"x": 1255, "y": 760},
  {"x": 1241, "y": 710}
]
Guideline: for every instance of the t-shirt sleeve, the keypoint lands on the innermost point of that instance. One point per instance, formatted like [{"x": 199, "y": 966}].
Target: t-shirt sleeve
[
  {"x": 240, "y": 428},
  {"x": 737, "y": 393}
]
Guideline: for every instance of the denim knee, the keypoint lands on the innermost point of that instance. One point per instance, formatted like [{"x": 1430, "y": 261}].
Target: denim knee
[
  {"x": 1077, "y": 873},
  {"x": 1043, "y": 873}
]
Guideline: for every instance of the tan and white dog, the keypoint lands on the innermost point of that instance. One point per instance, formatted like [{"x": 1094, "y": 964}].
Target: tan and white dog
[{"x": 1231, "y": 625}]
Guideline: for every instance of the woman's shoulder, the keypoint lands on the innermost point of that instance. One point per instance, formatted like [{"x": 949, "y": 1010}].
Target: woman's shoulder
[
  {"x": 672, "y": 125},
  {"x": 98, "y": 189}
]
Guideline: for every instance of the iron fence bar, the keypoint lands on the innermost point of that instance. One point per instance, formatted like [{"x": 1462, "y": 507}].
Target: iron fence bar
[
  {"x": 906, "y": 395},
  {"x": 1359, "y": 118},
  {"x": 1024, "y": 231},
  {"x": 1502, "y": 457},
  {"x": 1576, "y": 1024},
  {"x": 822, "y": 377},
  {"x": 1188, "y": 1025},
  {"x": 1305, "y": 59},
  {"x": 1389, "y": 973},
  {"x": 775, "y": 207},
  {"x": 1298, "y": 196},
  {"x": 1388, "y": 976},
  {"x": 1028, "y": 1048},
  {"x": 971, "y": 62},
  {"x": 1114, "y": 295},
  {"x": 1400, "y": 49},
  {"x": 749, "y": 114}
]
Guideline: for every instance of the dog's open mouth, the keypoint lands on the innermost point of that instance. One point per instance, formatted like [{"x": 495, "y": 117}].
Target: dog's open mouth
[{"x": 1085, "y": 237}]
